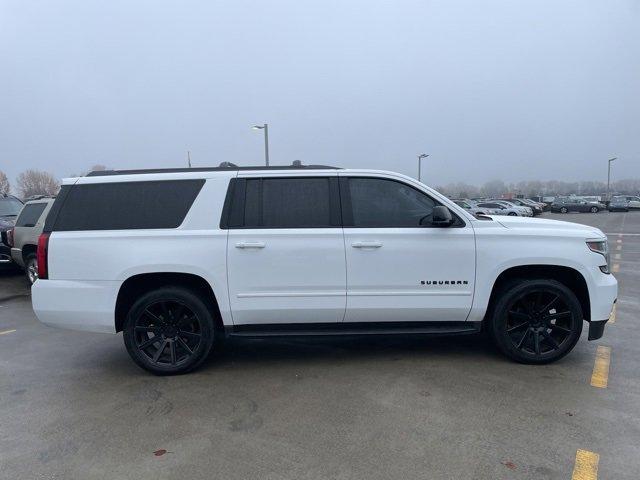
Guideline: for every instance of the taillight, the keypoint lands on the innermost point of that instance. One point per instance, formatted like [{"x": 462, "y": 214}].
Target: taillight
[
  {"x": 10, "y": 237},
  {"x": 42, "y": 256}
]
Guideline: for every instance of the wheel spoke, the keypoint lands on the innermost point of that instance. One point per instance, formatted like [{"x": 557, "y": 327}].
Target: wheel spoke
[
  {"x": 159, "y": 351},
  {"x": 149, "y": 342},
  {"x": 165, "y": 311},
  {"x": 524, "y": 336},
  {"x": 184, "y": 345},
  {"x": 557, "y": 315},
  {"x": 517, "y": 327},
  {"x": 152, "y": 315},
  {"x": 547, "y": 307},
  {"x": 184, "y": 333},
  {"x": 536, "y": 342},
  {"x": 172, "y": 347},
  {"x": 177, "y": 313},
  {"x": 560, "y": 328},
  {"x": 185, "y": 320},
  {"x": 550, "y": 339},
  {"x": 147, "y": 329}
]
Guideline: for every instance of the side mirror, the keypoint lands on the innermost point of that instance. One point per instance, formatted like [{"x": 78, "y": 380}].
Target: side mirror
[{"x": 441, "y": 216}]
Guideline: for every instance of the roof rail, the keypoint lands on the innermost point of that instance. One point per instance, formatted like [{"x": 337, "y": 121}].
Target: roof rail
[{"x": 224, "y": 166}]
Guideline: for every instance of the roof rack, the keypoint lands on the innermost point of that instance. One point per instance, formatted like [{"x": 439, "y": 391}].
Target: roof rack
[{"x": 224, "y": 166}]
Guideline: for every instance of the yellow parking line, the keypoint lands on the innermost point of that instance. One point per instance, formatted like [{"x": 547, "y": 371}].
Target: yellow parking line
[
  {"x": 615, "y": 268},
  {"x": 619, "y": 240},
  {"x": 619, "y": 247},
  {"x": 616, "y": 256},
  {"x": 600, "y": 375},
  {"x": 612, "y": 317},
  {"x": 586, "y": 466},
  {"x": 7, "y": 331}
]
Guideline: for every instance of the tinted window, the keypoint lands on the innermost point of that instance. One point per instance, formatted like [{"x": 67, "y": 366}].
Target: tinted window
[
  {"x": 30, "y": 214},
  {"x": 9, "y": 206},
  {"x": 288, "y": 203},
  {"x": 125, "y": 205},
  {"x": 378, "y": 202},
  {"x": 490, "y": 205}
]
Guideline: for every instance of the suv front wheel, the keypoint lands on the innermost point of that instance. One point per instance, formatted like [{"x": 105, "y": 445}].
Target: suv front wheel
[
  {"x": 169, "y": 331},
  {"x": 536, "y": 321}
]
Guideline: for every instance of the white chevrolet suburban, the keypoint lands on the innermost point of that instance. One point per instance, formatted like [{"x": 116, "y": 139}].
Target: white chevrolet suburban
[{"x": 177, "y": 258}]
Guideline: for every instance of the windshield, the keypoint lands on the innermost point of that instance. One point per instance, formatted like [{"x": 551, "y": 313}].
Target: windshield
[{"x": 10, "y": 207}]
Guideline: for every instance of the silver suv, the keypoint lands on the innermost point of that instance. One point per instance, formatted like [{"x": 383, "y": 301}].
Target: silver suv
[{"x": 24, "y": 236}]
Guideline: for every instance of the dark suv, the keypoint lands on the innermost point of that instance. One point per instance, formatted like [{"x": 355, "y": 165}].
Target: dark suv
[{"x": 10, "y": 207}]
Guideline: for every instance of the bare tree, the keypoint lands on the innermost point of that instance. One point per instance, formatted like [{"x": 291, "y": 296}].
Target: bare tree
[
  {"x": 5, "y": 186},
  {"x": 36, "y": 182}
]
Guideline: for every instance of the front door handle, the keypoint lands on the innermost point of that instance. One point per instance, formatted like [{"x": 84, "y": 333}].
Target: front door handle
[
  {"x": 250, "y": 245},
  {"x": 366, "y": 244}
]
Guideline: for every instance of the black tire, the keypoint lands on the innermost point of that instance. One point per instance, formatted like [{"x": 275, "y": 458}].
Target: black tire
[
  {"x": 522, "y": 330},
  {"x": 564, "y": 210},
  {"x": 512, "y": 214},
  {"x": 31, "y": 268},
  {"x": 183, "y": 325},
  {"x": 594, "y": 209}
]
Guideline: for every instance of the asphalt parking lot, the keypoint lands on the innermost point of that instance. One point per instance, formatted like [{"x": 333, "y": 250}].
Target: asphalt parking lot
[{"x": 75, "y": 406}]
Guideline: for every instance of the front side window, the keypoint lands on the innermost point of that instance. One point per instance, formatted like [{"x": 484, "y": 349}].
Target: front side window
[
  {"x": 288, "y": 203},
  {"x": 377, "y": 202}
]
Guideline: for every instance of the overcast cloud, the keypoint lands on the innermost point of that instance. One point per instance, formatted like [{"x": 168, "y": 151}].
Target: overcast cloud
[{"x": 508, "y": 89}]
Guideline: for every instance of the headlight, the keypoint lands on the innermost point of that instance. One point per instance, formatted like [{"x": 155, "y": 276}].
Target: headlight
[{"x": 601, "y": 247}]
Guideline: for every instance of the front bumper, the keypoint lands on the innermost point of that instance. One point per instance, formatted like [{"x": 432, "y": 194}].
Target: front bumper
[{"x": 5, "y": 255}]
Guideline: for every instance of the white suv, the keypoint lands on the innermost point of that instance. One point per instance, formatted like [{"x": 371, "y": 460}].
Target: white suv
[{"x": 177, "y": 258}]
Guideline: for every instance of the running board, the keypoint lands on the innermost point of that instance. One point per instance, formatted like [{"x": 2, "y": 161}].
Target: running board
[{"x": 345, "y": 329}]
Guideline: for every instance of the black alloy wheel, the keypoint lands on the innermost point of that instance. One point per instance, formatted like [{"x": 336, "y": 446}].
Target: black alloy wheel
[
  {"x": 536, "y": 321},
  {"x": 564, "y": 210},
  {"x": 169, "y": 331},
  {"x": 512, "y": 214}
]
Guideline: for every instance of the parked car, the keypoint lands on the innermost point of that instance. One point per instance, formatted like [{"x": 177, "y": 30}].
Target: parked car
[
  {"x": 24, "y": 235},
  {"x": 178, "y": 258},
  {"x": 525, "y": 211},
  {"x": 504, "y": 209},
  {"x": 619, "y": 204},
  {"x": 9, "y": 208},
  {"x": 474, "y": 209},
  {"x": 634, "y": 201},
  {"x": 566, "y": 205},
  {"x": 535, "y": 208}
]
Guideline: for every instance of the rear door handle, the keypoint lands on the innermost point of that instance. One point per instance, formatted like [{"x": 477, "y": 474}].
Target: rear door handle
[
  {"x": 250, "y": 245},
  {"x": 366, "y": 244}
]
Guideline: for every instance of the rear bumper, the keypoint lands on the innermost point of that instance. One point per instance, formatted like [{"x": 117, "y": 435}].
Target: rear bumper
[{"x": 76, "y": 305}]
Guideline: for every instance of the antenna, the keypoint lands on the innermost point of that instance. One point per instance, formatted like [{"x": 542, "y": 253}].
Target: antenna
[{"x": 189, "y": 158}]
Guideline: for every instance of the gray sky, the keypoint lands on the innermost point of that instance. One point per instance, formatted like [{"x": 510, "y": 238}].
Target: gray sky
[{"x": 516, "y": 90}]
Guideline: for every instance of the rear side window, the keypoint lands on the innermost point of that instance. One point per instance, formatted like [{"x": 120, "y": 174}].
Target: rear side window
[
  {"x": 311, "y": 202},
  {"x": 124, "y": 205},
  {"x": 30, "y": 214}
]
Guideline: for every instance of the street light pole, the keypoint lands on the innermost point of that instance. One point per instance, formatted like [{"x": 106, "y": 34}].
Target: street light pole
[
  {"x": 609, "y": 178},
  {"x": 264, "y": 127},
  {"x": 420, "y": 157}
]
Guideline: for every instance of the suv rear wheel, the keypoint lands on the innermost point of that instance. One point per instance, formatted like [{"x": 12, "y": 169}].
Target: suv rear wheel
[
  {"x": 31, "y": 268},
  {"x": 536, "y": 321},
  {"x": 169, "y": 331}
]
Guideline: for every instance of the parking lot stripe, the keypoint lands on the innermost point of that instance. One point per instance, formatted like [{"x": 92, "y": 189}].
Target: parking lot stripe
[
  {"x": 616, "y": 256},
  {"x": 600, "y": 375},
  {"x": 616, "y": 268},
  {"x": 586, "y": 466},
  {"x": 612, "y": 317},
  {"x": 7, "y": 331}
]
